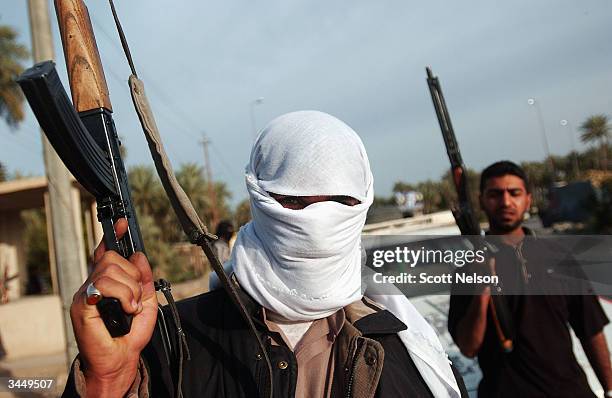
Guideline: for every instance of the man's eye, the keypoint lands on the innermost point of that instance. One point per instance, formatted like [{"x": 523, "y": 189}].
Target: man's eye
[
  {"x": 345, "y": 200},
  {"x": 290, "y": 201}
]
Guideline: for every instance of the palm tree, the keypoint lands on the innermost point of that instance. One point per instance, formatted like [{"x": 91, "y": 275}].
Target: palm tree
[
  {"x": 11, "y": 98},
  {"x": 193, "y": 180},
  {"x": 222, "y": 196},
  {"x": 596, "y": 128},
  {"x": 147, "y": 193},
  {"x": 242, "y": 214}
]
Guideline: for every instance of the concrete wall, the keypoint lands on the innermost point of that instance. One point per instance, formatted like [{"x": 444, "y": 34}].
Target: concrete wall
[{"x": 32, "y": 326}]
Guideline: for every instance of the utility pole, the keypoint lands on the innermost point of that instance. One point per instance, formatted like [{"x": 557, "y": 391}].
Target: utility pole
[
  {"x": 570, "y": 130},
  {"x": 67, "y": 245},
  {"x": 211, "y": 191},
  {"x": 257, "y": 101},
  {"x": 536, "y": 104}
]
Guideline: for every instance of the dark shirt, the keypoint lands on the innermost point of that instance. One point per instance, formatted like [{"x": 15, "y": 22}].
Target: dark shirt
[{"x": 542, "y": 362}]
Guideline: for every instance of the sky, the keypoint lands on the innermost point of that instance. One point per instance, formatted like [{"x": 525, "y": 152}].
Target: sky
[{"x": 205, "y": 62}]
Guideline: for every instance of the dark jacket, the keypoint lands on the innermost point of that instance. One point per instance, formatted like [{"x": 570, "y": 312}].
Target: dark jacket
[{"x": 370, "y": 359}]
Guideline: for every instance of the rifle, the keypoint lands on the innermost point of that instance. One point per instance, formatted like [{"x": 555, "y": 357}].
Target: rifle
[
  {"x": 463, "y": 212},
  {"x": 85, "y": 137}
]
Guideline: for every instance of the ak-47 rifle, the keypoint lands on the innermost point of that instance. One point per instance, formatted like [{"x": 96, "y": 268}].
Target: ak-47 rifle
[
  {"x": 463, "y": 212},
  {"x": 86, "y": 140},
  {"x": 84, "y": 136}
]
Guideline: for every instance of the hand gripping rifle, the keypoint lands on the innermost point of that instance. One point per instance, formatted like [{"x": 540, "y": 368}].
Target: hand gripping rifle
[
  {"x": 464, "y": 211},
  {"x": 86, "y": 140}
]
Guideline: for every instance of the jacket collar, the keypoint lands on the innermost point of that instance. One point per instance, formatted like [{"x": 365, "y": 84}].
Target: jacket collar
[{"x": 381, "y": 322}]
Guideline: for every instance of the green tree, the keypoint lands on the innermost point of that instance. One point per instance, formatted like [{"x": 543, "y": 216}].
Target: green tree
[
  {"x": 401, "y": 186},
  {"x": 538, "y": 174},
  {"x": 161, "y": 254},
  {"x": 242, "y": 214},
  {"x": 11, "y": 98},
  {"x": 435, "y": 197},
  {"x": 596, "y": 128},
  {"x": 449, "y": 193},
  {"x": 191, "y": 178},
  {"x": 2, "y": 173},
  {"x": 194, "y": 183},
  {"x": 37, "y": 249},
  {"x": 223, "y": 195},
  {"x": 147, "y": 193},
  {"x": 601, "y": 222},
  {"x": 383, "y": 201}
]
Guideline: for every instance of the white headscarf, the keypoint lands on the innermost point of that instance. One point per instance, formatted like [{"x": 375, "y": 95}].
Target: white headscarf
[{"x": 306, "y": 264}]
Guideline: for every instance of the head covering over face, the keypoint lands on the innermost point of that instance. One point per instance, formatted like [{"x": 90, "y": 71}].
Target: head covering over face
[
  {"x": 304, "y": 264},
  {"x": 310, "y": 153}
]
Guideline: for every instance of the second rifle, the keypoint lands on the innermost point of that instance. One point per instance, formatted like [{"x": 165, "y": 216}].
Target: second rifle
[{"x": 464, "y": 214}]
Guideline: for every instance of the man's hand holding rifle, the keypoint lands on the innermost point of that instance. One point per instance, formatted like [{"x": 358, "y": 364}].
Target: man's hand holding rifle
[
  {"x": 115, "y": 311},
  {"x": 110, "y": 364}
]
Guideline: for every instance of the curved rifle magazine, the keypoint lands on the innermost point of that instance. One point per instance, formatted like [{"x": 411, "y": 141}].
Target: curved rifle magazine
[{"x": 60, "y": 122}]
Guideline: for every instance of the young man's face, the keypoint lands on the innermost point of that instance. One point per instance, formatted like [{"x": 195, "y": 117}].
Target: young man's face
[{"x": 505, "y": 200}]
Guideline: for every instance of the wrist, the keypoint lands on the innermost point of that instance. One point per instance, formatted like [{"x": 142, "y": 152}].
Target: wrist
[
  {"x": 99, "y": 388},
  {"x": 110, "y": 385}
]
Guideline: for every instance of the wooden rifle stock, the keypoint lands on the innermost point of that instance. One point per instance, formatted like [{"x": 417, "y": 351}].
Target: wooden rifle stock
[{"x": 87, "y": 82}]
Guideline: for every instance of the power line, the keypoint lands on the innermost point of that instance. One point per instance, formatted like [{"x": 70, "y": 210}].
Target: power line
[
  {"x": 159, "y": 93},
  {"x": 223, "y": 162},
  {"x": 186, "y": 122}
]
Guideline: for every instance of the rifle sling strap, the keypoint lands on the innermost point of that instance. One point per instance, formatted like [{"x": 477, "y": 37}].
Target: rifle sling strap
[
  {"x": 190, "y": 221},
  {"x": 188, "y": 218}
]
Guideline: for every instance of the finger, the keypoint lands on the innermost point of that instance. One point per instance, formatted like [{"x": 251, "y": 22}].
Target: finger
[
  {"x": 100, "y": 250},
  {"x": 117, "y": 273},
  {"x": 115, "y": 266},
  {"x": 110, "y": 287},
  {"x": 121, "y": 227},
  {"x": 485, "y": 297},
  {"x": 112, "y": 258},
  {"x": 140, "y": 261}
]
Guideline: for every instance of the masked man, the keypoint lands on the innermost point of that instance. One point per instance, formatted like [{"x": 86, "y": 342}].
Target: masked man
[{"x": 297, "y": 265}]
